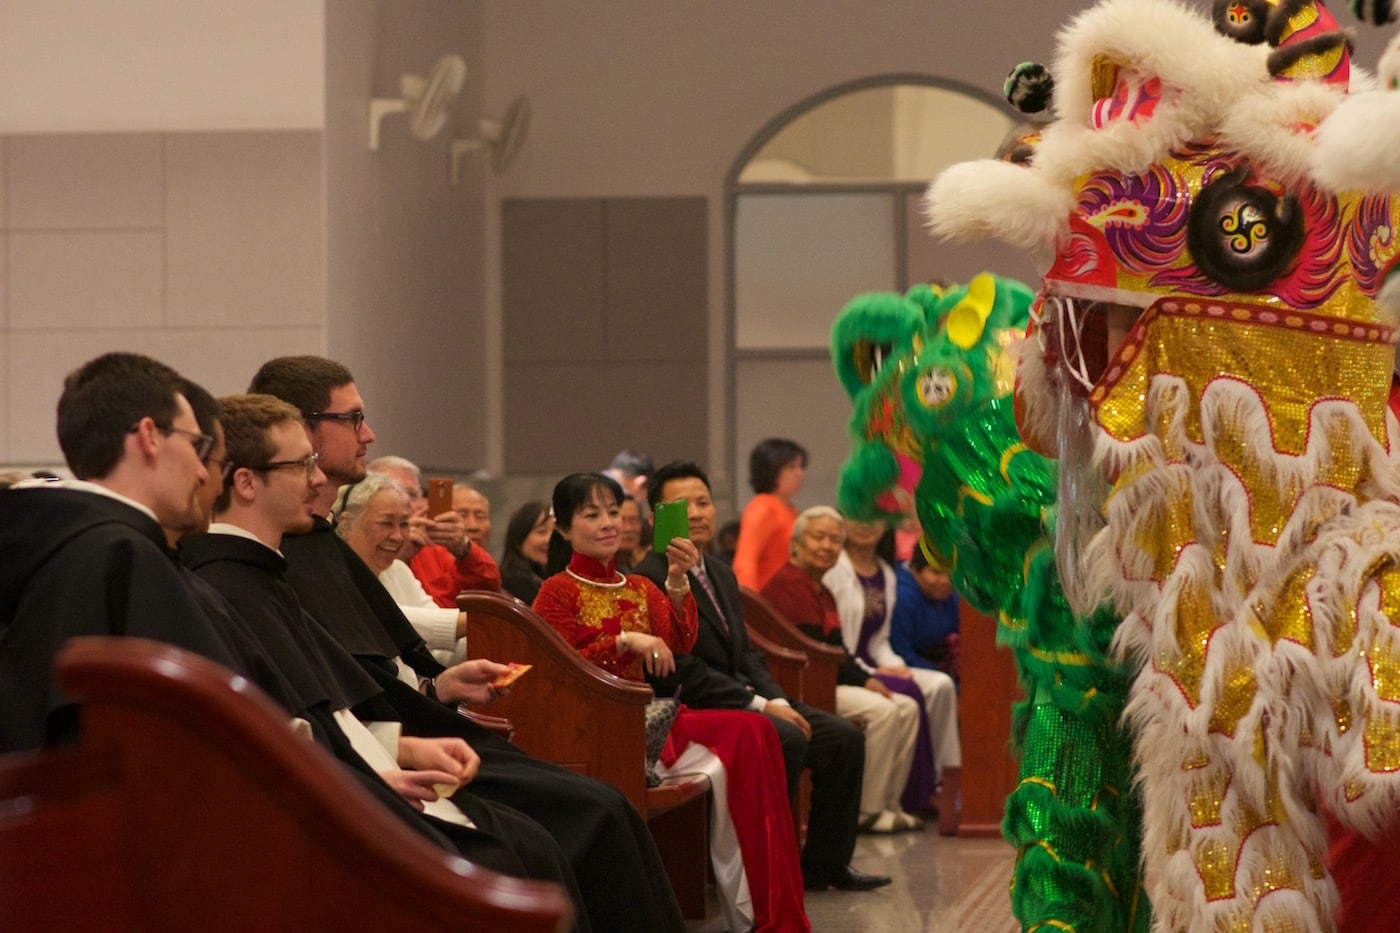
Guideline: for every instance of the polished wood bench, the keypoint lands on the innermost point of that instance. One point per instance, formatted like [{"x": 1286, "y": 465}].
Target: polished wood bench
[
  {"x": 570, "y": 712},
  {"x": 189, "y": 804},
  {"x": 823, "y": 661}
]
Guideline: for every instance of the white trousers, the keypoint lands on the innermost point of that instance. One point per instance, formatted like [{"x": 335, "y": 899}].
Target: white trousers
[
  {"x": 941, "y": 704},
  {"x": 890, "y": 727}
]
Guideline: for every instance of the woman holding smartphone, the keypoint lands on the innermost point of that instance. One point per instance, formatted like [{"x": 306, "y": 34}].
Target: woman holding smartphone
[{"x": 626, "y": 625}]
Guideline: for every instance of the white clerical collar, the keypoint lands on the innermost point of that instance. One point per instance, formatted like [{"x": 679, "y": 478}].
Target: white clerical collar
[
  {"x": 82, "y": 485},
  {"x": 224, "y": 528}
]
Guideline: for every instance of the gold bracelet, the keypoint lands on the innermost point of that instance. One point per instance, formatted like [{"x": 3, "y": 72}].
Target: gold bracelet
[{"x": 678, "y": 590}]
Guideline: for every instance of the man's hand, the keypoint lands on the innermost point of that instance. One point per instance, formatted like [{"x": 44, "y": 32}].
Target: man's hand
[
  {"x": 417, "y": 787},
  {"x": 449, "y": 530},
  {"x": 903, "y": 672},
  {"x": 470, "y": 682},
  {"x": 788, "y": 714},
  {"x": 450, "y": 755}
]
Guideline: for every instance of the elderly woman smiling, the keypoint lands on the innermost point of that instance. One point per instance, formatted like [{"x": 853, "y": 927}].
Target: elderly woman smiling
[{"x": 374, "y": 520}]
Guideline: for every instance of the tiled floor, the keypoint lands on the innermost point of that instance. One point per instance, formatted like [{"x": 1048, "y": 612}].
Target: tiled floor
[{"x": 941, "y": 885}]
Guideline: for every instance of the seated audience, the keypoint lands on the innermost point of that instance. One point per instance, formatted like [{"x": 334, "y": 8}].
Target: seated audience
[
  {"x": 634, "y": 535},
  {"x": 271, "y": 486},
  {"x": 777, "y": 469},
  {"x": 891, "y": 719},
  {"x": 475, "y": 509},
  {"x": 88, "y": 556},
  {"x": 375, "y": 516},
  {"x": 619, "y": 870},
  {"x": 439, "y": 552},
  {"x": 924, "y": 626},
  {"x": 526, "y": 553},
  {"x": 725, "y": 671},
  {"x": 725, "y": 542},
  {"x": 627, "y": 626},
  {"x": 632, "y": 470},
  {"x": 863, "y": 585}
]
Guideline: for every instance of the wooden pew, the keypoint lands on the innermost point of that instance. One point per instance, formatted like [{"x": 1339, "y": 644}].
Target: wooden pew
[
  {"x": 989, "y": 687},
  {"x": 819, "y": 676},
  {"x": 570, "y": 712},
  {"x": 786, "y": 665},
  {"x": 190, "y": 805}
]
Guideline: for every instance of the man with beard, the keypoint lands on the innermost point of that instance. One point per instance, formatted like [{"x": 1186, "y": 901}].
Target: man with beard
[
  {"x": 271, "y": 485},
  {"x": 88, "y": 557},
  {"x": 613, "y": 856}
]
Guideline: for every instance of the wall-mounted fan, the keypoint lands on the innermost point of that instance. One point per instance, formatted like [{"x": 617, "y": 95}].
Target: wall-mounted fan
[
  {"x": 502, "y": 137},
  {"x": 425, "y": 100}
]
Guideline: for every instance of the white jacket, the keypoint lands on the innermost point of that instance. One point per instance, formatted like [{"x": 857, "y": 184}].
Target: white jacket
[{"x": 850, "y": 605}]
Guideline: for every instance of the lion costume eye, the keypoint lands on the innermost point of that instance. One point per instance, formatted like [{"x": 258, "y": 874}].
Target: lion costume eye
[
  {"x": 1241, "y": 234},
  {"x": 869, "y": 358},
  {"x": 937, "y": 386}
]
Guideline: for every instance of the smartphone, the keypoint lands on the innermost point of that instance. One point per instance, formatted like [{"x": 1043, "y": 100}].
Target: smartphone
[
  {"x": 439, "y": 497},
  {"x": 670, "y": 520}
]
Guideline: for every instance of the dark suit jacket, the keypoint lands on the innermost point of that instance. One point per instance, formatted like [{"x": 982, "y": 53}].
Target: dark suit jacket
[{"x": 724, "y": 670}]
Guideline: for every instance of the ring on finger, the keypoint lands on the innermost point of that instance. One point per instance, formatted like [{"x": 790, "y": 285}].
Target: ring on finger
[{"x": 655, "y": 655}]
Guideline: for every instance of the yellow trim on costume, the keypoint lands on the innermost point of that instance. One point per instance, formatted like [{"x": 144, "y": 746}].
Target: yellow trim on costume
[{"x": 1006, "y": 456}]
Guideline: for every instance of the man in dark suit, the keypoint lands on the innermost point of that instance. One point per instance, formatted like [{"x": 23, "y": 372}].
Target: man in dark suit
[{"x": 725, "y": 671}]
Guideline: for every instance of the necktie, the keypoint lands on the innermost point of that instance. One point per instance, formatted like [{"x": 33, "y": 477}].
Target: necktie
[{"x": 704, "y": 579}]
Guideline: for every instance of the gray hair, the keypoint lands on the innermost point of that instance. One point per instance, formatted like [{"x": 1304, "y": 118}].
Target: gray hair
[
  {"x": 350, "y": 501},
  {"x": 799, "y": 527},
  {"x": 385, "y": 464}
]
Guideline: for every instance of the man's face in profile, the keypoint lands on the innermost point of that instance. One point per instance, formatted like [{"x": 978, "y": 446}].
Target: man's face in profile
[
  {"x": 340, "y": 443},
  {"x": 180, "y": 473}
]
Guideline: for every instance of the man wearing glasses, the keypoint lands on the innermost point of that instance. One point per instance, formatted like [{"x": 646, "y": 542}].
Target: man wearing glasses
[
  {"x": 270, "y": 490},
  {"x": 88, "y": 556},
  {"x": 619, "y": 871}
]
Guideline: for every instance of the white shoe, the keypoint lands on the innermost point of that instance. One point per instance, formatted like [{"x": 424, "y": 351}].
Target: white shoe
[{"x": 881, "y": 824}]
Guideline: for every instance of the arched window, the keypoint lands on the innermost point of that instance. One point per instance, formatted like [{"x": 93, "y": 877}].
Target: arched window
[{"x": 823, "y": 204}]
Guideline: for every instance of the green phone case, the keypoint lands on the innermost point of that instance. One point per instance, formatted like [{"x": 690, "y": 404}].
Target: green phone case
[{"x": 670, "y": 520}]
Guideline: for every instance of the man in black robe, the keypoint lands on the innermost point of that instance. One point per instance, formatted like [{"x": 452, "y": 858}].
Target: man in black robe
[
  {"x": 271, "y": 482},
  {"x": 613, "y": 856},
  {"x": 725, "y": 671},
  {"x": 88, "y": 557}
]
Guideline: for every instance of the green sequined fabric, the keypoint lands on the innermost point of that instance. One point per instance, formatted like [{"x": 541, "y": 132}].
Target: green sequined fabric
[{"x": 986, "y": 504}]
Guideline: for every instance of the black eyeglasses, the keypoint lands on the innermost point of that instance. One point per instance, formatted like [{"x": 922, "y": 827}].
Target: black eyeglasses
[
  {"x": 307, "y": 463},
  {"x": 353, "y": 418},
  {"x": 226, "y": 467},
  {"x": 202, "y": 443}
]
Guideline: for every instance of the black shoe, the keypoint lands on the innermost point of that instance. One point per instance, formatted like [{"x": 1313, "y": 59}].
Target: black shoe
[{"x": 849, "y": 878}]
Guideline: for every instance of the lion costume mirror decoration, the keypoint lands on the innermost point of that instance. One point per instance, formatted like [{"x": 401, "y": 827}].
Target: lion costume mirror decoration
[{"x": 1207, "y": 351}]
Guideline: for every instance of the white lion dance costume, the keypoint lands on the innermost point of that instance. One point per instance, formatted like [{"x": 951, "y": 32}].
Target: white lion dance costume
[{"x": 1209, "y": 352}]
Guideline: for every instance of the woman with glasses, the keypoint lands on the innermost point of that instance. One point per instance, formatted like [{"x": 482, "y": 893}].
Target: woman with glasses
[{"x": 373, "y": 518}]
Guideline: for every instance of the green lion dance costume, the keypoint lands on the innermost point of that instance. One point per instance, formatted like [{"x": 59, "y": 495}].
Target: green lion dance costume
[
  {"x": 1209, "y": 364},
  {"x": 931, "y": 379}
]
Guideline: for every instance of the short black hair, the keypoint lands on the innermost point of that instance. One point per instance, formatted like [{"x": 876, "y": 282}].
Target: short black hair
[
  {"x": 768, "y": 458},
  {"x": 205, "y": 406},
  {"x": 304, "y": 381},
  {"x": 633, "y": 463},
  {"x": 676, "y": 469},
  {"x": 570, "y": 494},
  {"x": 103, "y": 399}
]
